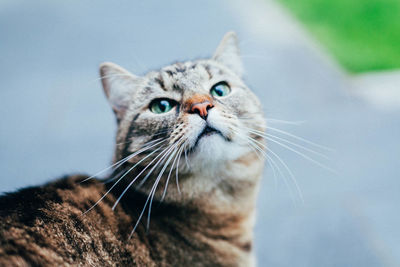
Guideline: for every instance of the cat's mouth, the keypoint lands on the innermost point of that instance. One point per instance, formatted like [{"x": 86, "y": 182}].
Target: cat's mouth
[{"x": 208, "y": 131}]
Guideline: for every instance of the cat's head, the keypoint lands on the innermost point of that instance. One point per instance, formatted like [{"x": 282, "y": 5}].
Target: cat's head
[{"x": 197, "y": 115}]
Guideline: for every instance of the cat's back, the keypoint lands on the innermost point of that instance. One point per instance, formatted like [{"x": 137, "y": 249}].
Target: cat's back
[{"x": 45, "y": 226}]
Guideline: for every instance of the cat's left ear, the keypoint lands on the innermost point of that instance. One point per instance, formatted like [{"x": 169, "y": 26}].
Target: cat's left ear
[
  {"x": 228, "y": 53},
  {"x": 118, "y": 85}
]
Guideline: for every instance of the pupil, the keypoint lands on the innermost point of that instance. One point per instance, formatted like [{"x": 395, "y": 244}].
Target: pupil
[
  {"x": 219, "y": 91},
  {"x": 163, "y": 105}
]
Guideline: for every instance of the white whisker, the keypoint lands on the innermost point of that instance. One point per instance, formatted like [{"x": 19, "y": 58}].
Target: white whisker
[
  {"x": 130, "y": 184},
  {"x": 284, "y": 164},
  {"x": 186, "y": 160},
  {"x": 270, "y": 120},
  {"x": 171, "y": 155},
  {"x": 177, "y": 168},
  {"x": 251, "y": 140},
  {"x": 119, "y": 179},
  {"x": 268, "y": 136},
  {"x": 170, "y": 171},
  {"x": 258, "y": 145},
  {"x": 153, "y": 188},
  {"x": 303, "y": 155},
  {"x": 122, "y": 161},
  {"x": 300, "y": 138}
]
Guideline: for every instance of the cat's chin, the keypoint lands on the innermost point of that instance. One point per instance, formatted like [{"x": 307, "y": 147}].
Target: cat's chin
[{"x": 212, "y": 150}]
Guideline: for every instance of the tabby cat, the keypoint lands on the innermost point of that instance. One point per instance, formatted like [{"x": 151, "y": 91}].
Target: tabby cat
[{"x": 185, "y": 177}]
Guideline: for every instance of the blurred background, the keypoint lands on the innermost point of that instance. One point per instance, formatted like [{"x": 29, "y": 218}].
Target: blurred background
[{"x": 325, "y": 70}]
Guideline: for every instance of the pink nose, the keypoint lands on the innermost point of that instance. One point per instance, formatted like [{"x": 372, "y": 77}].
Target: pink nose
[{"x": 201, "y": 108}]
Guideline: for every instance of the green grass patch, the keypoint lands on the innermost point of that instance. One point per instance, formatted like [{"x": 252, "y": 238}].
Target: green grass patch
[{"x": 363, "y": 35}]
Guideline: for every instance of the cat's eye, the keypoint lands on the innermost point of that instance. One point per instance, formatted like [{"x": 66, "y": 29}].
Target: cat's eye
[
  {"x": 162, "y": 105},
  {"x": 220, "y": 89}
]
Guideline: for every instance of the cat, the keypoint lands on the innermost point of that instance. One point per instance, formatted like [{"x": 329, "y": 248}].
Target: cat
[{"x": 185, "y": 177}]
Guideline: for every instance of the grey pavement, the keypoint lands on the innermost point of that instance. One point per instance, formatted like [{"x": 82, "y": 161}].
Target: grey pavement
[{"x": 55, "y": 119}]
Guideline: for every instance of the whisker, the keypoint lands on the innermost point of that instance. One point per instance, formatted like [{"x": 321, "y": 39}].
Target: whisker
[
  {"x": 130, "y": 184},
  {"x": 284, "y": 164},
  {"x": 132, "y": 139},
  {"x": 186, "y": 159},
  {"x": 177, "y": 169},
  {"x": 259, "y": 146},
  {"x": 303, "y": 155},
  {"x": 270, "y": 120},
  {"x": 300, "y": 138},
  {"x": 120, "y": 162},
  {"x": 119, "y": 179},
  {"x": 289, "y": 134},
  {"x": 291, "y": 175},
  {"x": 293, "y": 150},
  {"x": 161, "y": 161},
  {"x": 271, "y": 165},
  {"x": 170, "y": 171},
  {"x": 109, "y": 167},
  {"x": 116, "y": 176},
  {"x": 280, "y": 171},
  {"x": 151, "y": 192},
  {"x": 268, "y": 136},
  {"x": 171, "y": 155}
]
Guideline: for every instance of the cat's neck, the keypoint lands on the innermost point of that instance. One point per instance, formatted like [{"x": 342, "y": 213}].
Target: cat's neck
[
  {"x": 232, "y": 188},
  {"x": 228, "y": 203},
  {"x": 217, "y": 221},
  {"x": 225, "y": 237}
]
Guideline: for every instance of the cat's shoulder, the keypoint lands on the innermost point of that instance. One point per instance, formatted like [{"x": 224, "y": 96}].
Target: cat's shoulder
[
  {"x": 46, "y": 225},
  {"x": 25, "y": 203}
]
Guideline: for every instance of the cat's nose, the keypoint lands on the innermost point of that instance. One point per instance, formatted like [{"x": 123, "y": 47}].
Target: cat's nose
[{"x": 201, "y": 108}]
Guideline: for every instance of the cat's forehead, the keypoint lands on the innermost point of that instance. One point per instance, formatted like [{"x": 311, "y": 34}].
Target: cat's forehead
[{"x": 182, "y": 76}]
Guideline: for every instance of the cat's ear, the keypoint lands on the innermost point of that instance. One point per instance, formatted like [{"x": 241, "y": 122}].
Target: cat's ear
[
  {"x": 118, "y": 85},
  {"x": 228, "y": 53}
]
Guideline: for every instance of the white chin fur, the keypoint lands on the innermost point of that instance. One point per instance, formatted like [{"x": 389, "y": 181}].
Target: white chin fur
[{"x": 213, "y": 150}]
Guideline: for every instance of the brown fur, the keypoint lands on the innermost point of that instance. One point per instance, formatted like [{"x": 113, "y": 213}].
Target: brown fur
[{"x": 45, "y": 226}]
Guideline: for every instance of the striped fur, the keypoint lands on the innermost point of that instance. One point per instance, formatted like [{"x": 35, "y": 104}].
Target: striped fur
[{"x": 195, "y": 189}]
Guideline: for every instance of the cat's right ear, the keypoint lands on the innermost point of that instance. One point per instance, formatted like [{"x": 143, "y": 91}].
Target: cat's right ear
[
  {"x": 118, "y": 85},
  {"x": 228, "y": 53}
]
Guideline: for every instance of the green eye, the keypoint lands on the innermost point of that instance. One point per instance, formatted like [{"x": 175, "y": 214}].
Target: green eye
[
  {"x": 159, "y": 106},
  {"x": 220, "y": 89}
]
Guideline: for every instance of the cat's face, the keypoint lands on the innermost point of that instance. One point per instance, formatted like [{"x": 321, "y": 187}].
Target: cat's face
[{"x": 196, "y": 115}]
